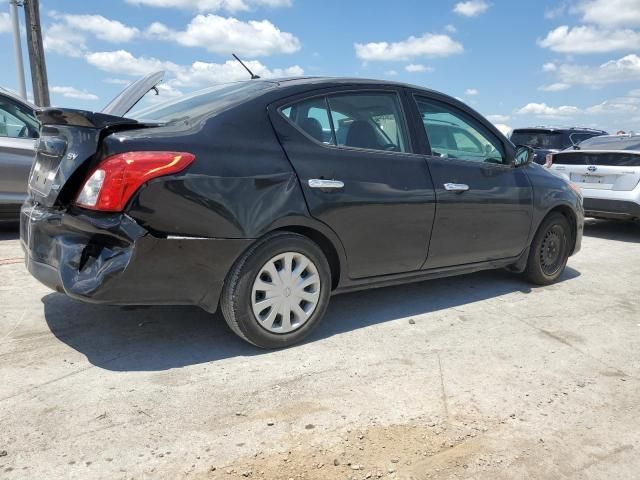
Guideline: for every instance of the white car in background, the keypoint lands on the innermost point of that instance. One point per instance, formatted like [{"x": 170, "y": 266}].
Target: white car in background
[{"x": 607, "y": 169}]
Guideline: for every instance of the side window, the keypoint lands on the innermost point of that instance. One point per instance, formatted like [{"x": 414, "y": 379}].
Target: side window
[
  {"x": 312, "y": 117},
  {"x": 453, "y": 134},
  {"x": 371, "y": 120},
  {"x": 16, "y": 123},
  {"x": 576, "y": 138}
]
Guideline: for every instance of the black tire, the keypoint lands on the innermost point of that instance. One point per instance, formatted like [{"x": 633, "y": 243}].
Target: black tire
[
  {"x": 549, "y": 250},
  {"x": 235, "y": 301}
]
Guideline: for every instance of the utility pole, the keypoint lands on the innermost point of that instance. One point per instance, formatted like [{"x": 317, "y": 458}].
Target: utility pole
[
  {"x": 36, "y": 53},
  {"x": 17, "y": 43}
]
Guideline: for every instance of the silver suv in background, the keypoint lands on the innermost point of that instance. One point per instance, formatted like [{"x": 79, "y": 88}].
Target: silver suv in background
[
  {"x": 607, "y": 169},
  {"x": 18, "y": 134},
  {"x": 545, "y": 140}
]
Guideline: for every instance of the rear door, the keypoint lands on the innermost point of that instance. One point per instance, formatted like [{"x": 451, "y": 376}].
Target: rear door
[
  {"x": 484, "y": 205},
  {"x": 599, "y": 170},
  {"x": 352, "y": 153},
  {"x": 18, "y": 134}
]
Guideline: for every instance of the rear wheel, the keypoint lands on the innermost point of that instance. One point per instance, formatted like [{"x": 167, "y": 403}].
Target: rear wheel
[
  {"x": 277, "y": 291},
  {"x": 549, "y": 250}
]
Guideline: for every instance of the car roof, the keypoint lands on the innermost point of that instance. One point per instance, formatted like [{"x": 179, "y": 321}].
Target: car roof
[
  {"x": 333, "y": 81},
  {"x": 626, "y": 142},
  {"x": 16, "y": 98},
  {"x": 559, "y": 129}
]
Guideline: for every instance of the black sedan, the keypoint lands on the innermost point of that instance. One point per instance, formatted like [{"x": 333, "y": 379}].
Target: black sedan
[{"x": 264, "y": 198}]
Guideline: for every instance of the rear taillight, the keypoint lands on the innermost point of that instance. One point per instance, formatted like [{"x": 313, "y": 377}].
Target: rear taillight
[{"x": 112, "y": 184}]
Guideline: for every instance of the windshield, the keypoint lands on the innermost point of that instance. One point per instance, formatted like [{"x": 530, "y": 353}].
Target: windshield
[
  {"x": 618, "y": 142},
  {"x": 543, "y": 140},
  {"x": 210, "y": 100}
]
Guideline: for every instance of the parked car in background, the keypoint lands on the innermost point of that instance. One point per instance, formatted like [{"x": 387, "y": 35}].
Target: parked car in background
[
  {"x": 265, "y": 197},
  {"x": 607, "y": 169},
  {"x": 18, "y": 134},
  {"x": 545, "y": 140}
]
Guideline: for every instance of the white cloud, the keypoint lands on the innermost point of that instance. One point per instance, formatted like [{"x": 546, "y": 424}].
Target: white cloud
[
  {"x": 624, "y": 69},
  {"x": 549, "y": 67},
  {"x": 496, "y": 118},
  {"x": 204, "y": 73},
  {"x": 427, "y": 45},
  {"x": 543, "y": 110},
  {"x": 417, "y": 67},
  {"x": 124, "y": 63},
  {"x": 555, "y": 87},
  {"x": 588, "y": 39},
  {"x": 68, "y": 34},
  {"x": 450, "y": 28},
  {"x": 213, "y": 5},
  {"x": 5, "y": 22},
  {"x": 472, "y": 8},
  {"x": 229, "y": 35},
  {"x": 555, "y": 12},
  {"x": 471, "y": 92},
  {"x": 391, "y": 73},
  {"x": 610, "y": 13},
  {"x": 616, "y": 106},
  {"x": 504, "y": 129},
  {"x": 109, "y": 30},
  {"x": 622, "y": 112},
  {"x": 197, "y": 74},
  {"x": 62, "y": 39},
  {"x": 72, "y": 92}
]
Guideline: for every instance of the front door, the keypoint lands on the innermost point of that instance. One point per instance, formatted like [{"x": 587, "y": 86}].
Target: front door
[
  {"x": 484, "y": 204},
  {"x": 353, "y": 157}
]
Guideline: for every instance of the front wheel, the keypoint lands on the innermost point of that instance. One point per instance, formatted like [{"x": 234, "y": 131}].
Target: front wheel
[
  {"x": 549, "y": 250},
  {"x": 277, "y": 291}
]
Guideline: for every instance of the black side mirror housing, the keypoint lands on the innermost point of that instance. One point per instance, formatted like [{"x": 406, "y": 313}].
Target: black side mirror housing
[{"x": 524, "y": 156}]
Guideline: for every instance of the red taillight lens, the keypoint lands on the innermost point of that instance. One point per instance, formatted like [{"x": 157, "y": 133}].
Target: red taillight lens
[
  {"x": 111, "y": 185},
  {"x": 548, "y": 160}
]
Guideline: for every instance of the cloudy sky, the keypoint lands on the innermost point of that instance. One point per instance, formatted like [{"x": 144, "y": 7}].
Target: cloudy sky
[{"x": 520, "y": 63}]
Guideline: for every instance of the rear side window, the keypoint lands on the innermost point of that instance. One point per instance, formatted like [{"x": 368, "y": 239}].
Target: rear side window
[
  {"x": 579, "y": 137},
  {"x": 312, "y": 117},
  {"x": 372, "y": 121},
  {"x": 367, "y": 120}
]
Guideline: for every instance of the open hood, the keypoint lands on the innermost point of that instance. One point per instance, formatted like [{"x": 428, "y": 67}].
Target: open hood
[{"x": 131, "y": 95}]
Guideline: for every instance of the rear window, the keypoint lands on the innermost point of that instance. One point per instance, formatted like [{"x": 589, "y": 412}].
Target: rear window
[
  {"x": 612, "y": 159},
  {"x": 210, "y": 100},
  {"x": 542, "y": 140}
]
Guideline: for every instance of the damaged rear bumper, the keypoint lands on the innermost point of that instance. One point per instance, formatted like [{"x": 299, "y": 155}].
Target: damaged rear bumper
[{"x": 111, "y": 259}]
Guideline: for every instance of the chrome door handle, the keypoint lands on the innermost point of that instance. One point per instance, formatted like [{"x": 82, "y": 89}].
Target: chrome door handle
[
  {"x": 456, "y": 187},
  {"x": 321, "y": 183}
]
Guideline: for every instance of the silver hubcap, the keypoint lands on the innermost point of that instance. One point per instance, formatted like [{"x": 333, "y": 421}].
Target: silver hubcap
[{"x": 285, "y": 292}]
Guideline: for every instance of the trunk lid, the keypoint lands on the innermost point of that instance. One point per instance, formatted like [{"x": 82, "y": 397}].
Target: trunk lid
[
  {"x": 131, "y": 95},
  {"x": 602, "y": 170},
  {"x": 70, "y": 138}
]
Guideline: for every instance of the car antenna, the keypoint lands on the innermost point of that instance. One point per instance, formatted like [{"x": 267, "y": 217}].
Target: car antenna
[{"x": 253, "y": 75}]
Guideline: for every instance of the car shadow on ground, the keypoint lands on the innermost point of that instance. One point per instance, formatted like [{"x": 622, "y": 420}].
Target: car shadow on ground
[
  {"x": 621, "y": 231},
  {"x": 162, "y": 338}
]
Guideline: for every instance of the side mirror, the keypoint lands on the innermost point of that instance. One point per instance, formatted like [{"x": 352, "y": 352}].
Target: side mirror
[{"x": 524, "y": 156}]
